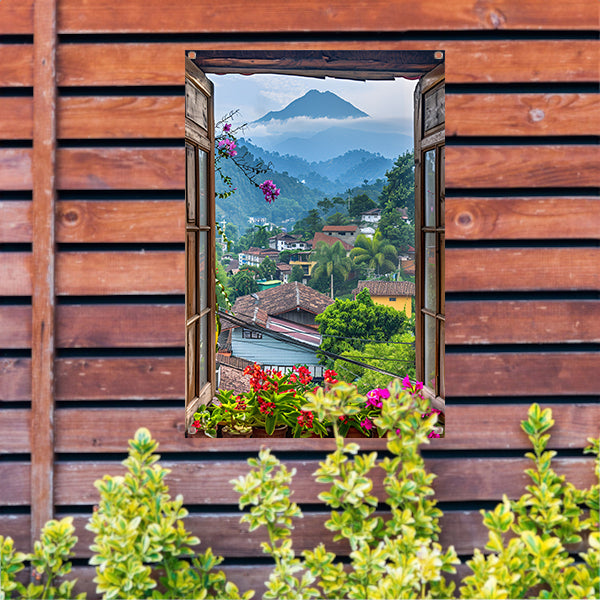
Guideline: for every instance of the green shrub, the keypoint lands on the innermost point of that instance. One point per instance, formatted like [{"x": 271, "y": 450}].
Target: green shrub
[{"x": 400, "y": 558}]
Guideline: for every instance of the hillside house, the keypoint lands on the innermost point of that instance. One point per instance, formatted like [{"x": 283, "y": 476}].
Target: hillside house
[
  {"x": 330, "y": 240},
  {"x": 303, "y": 259},
  {"x": 372, "y": 215},
  {"x": 93, "y": 225},
  {"x": 346, "y": 233},
  {"x": 397, "y": 294},
  {"x": 287, "y": 241},
  {"x": 283, "y": 272},
  {"x": 253, "y": 257}
]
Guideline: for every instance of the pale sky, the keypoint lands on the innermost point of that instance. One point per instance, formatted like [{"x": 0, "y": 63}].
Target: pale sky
[{"x": 388, "y": 103}]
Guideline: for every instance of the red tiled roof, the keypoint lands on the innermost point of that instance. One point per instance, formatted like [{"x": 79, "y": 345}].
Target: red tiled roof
[
  {"x": 249, "y": 314},
  {"x": 340, "y": 228},
  {"x": 283, "y": 267},
  {"x": 281, "y": 299},
  {"x": 386, "y": 288},
  {"x": 330, "y": 240}
]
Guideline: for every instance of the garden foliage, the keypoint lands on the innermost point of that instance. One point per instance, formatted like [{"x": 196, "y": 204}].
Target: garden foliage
[{"x": 142, "y": 549}]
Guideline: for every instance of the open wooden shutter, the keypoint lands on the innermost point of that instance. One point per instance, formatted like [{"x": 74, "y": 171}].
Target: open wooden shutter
[
  {"x": 200, "y": 344},
  {"x": 430, "y": 231}
]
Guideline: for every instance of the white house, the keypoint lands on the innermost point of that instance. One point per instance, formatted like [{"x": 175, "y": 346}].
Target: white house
[{"x": 371, "y": 216}]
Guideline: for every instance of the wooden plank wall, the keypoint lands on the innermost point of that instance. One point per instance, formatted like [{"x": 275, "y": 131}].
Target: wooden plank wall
[{"x": 522, "y": 254}]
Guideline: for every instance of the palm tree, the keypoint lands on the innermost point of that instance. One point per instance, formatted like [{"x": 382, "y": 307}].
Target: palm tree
[
  {"x": 377, "y": 253},
  {"x": 331, "y": 260}
]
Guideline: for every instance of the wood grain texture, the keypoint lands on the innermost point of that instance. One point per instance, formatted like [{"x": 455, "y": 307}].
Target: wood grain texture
[
  {"x": 16, "y": 274},
  {"x": 15, "y": 221},
  {"x": 15, "y": 166},
  {"x": 16, "y": 483},
  {"x": 523, "y": 322},
  {"x": 120, "y": 117},
  {"x": 515, "y": 269},
  {"x": 15, "y": 433},
  {"x": 16, "y": 17},
  {"x": 131, "y": 326},
  {"x": 43, "y": 265},
  {"x": 120, "y": 379},
  {"x": 467, "y": 427},
  {"x": 120, "y": 168},
  {"x": 466, "y": 61},
  {"x": 532, "y": 374},
  {"x": 522, "y": 166},
  {"x": 336, "y": 15},
  {"x": 205, "y": 483},
  {"x": 120, "y": 221},
  {"x": 522, "y": 218},
  {"x": 15, "y": 379},
  {"x": 15, "y": 326},
  {"x": 16, "y": 66},
  {"x": 108, "y": 273},
  {"x": 16, "y": 118},
  {"x": 522, "y": 114}
]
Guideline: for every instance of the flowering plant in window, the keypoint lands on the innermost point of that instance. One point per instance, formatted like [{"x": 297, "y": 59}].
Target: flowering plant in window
[
  {"x": 276, "y": 399},
  {"x": 226, "y": 409}
]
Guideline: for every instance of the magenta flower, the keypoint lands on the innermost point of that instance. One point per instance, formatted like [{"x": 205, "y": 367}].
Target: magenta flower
[
  {"x": 227, "y": 127},
  {"x": 269, "y": 190},
  {"x": 228, "y": 147},
  {"x": 366, "y": 423},
  {"x": 406, "y": 384}
]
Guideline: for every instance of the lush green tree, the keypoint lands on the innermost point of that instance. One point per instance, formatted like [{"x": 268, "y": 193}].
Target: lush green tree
[
  {"x": 231, "y": 232},
  {"x": 359, "y": 204},
  {"x": 297, "y": 274},
  {"x": 396, "y": 230},
  {"x": 338, "y": 218},
  {"x": 308, "y": 226},
  {"x": 242, "y": 283},
  {"x": 376, "y": 253},
  {"x": 397, "y": 357},
  {"x": 332, "y": 266},
  {"x": 399, "y": 192},
  {"x": 346, "y": 324},
  {"x": 267, "y": 269}
]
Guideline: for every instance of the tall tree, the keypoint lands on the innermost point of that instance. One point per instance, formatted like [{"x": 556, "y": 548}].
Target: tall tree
[
  {"x": 399, "y": 192},
  {"x": 338, "y": 218},
  {"x": 267, "y": 269},
  {"x": 242, "y": 284},
  {"x": 297, "y": 274},
  {"x": 376, "y": 253},
  {"x": 308, "y": 226},
  {"x": 396, "y": 230},
  {"x": 359, "y": 204},
  {"x": 332, "y": 265}
]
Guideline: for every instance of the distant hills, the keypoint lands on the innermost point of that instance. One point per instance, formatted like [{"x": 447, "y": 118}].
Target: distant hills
[{"x": 315, "y": 104}]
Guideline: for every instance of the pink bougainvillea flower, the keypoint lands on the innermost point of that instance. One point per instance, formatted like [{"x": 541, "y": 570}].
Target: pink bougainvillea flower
[
  {"x": 406, "y": 384},
  {"x": 367, "y": 423},
  {"x": 227, "y": 127},
  {"x": 270, "y": 190}
]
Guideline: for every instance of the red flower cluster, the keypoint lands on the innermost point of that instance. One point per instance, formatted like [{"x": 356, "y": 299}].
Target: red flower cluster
[
  {"x": 305, "y": 419},
  {"x": 303, "y": 376},
  {"x": 330, "y": 376},
  {"x": 258, "y": 377},
  {"x": 240, "y": 404},
  {"x": 266, "y": 407}
]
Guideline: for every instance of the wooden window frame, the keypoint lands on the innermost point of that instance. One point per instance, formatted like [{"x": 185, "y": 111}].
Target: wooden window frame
[
  {"x": 345, "y": 64},
  {"x": 432, "y": 140}
]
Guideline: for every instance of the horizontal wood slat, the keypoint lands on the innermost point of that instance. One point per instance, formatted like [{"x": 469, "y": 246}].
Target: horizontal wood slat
[
  {"x": 16, "y": 17},
  {"x": 503, "y": 269},
  {"x": 15, "y": 379},
  {"x": 16, "y": 66},
  {"x": 528, "y": 374},
  {"x": 15, "y": 326},
  {"x": 131, "y": 325},
  {"x": 466, "y": 62},
  {"x": 337, "y": 15},
  {"x": 120, "y": 378},
  {"x": 16, "y": 118},
  {"x": 523, "y": 322},
  {"x": 120, "y": 168},
  {"x": 15, "y": 434},
  {"x": 458, "y": 479},
  {"x": 522, "y": 218},
  {"x": 121, "y": 117},
  {"x": 106, "y": 273},
  {"x": 467, "y": 427},
  {"x": 15, "y": 221},
  {"x": 522, "y": 114},
  {"x": 15, "y": 166},
  {"x": 522, "y": 166},
  {"x": 120, "y": 221},
  {"x": 16, "y": 274}
]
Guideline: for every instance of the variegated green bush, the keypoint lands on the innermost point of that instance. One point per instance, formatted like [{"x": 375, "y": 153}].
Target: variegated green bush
[{"x": 401, "y": 557}]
